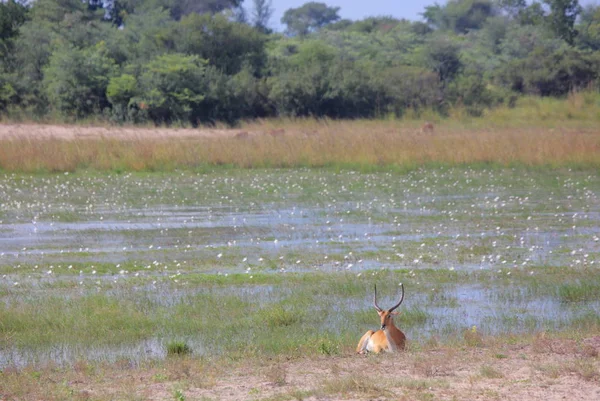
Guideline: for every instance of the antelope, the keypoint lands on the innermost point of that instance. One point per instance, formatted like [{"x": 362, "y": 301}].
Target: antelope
[
  {"x": 427, "y": 127},
  {"x": 277, "y": 132},
  {"x": 241, "y": 135},
  {"x": 389, "y": 338}
]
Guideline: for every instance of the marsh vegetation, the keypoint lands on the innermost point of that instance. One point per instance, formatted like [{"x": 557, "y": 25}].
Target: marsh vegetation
[{"x": 106, "y": 266}]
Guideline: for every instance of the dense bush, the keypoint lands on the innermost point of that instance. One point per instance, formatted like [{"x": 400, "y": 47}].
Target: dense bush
[{"x": 176, "y": 61}]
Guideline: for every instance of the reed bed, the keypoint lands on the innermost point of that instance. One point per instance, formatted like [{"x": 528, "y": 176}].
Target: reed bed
[
  {"x": 533, "y": 132},
  {"x": 310, "y": 144}
]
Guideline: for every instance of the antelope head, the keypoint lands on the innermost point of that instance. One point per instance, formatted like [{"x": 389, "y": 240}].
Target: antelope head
[{"x": 386, "y": 316}]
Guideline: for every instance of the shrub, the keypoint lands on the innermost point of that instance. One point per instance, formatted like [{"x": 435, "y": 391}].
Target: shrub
[{"x": 178, "y": 348}]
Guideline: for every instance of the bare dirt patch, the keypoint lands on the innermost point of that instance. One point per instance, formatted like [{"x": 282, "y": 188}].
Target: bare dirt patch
[
  {"x": 505, "y": 372},
  {"x": 446, "y": 374}
]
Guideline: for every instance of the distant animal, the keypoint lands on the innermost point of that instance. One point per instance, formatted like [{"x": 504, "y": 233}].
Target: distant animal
[
  {"x": 388, "y": 338},
  {"x": 427, "y": 127},
  {"x": 242, "y": 135},
  {"x": 277, "y": 132}
]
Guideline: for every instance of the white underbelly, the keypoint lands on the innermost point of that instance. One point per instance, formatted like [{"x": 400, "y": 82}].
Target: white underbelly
[{"x": 391, "y": 345}]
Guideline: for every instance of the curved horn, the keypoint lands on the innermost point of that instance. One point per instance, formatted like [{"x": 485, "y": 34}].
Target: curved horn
[
  {"x": 401, "y": 299},
  {"x": 375, "y": 300}
]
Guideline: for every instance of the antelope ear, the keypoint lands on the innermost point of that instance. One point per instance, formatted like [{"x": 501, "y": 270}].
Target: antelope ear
[
  {"x": 394, "y": 313},
  {"x": 380, "y": 313}
]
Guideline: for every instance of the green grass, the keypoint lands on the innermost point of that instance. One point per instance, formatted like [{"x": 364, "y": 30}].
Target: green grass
[
  {"x": 290, "y": 321},
  {"x": 586, "y": 290},
  {"x": 462, "y": 241},
  {"x": 178, "y": 348}
]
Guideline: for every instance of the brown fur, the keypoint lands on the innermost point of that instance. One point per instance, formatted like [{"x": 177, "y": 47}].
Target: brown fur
[
  {"x": 389, "y": 337},
  {"x": 379, "y": 339},
  {"x": 428, "y": 127},
  {"x": 277, "y": 132}
]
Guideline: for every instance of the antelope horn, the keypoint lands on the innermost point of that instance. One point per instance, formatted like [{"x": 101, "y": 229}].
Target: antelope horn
[
  {"x": 375, "y": 300},
  {"x": 401, "y": 299}
]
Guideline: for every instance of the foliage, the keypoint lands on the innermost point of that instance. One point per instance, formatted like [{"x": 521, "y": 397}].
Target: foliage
[
  {"x": 551, "y": 74},
  {"x": 588, "y": 36},
  {"x": 75, "y": 80},
  {"x": 460, "y": 16},
  {"x": 262, "y": 12},
  {"x": 183, "y": 61},
  {"x": 178, "y": 348},
  {"x": 226, "y": 45},
  {"x": 177, "y": 9},
  {"x": 7, "y": 92},
  {"x": 442, "y": 56},
  {"x": 561, "y": 20},
  {"x": 12, "y": 15},
  {"x": 172, "y": 87},
  {"x": 145, "y": 36},
  {"x": 309, "y": 18}
]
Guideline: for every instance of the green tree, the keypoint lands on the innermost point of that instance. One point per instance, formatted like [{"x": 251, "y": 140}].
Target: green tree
[
  {"x": 551, "y": 73},
  {"x": 441, "y": 55},
  {"x": 121, "y": 89},
  {"x": 522, "y": 40},
  {"x": 459, "y": 16},
  {"x": 375, "y": 24},
  {"x": 72, "y": 21},
  {"x": 54, "y": 11},
  {"x": 12, "y": 15},
  {"x": 8, "y": 93},
  {"x": 176, "y": 8},
  {"x": 589, "y": 28},
  {"x": 511, "y": 8},
  {"x": 309, "y": 18},
  {"x": 35, "y": 45},
  {"x": 172, "y": 88},
  {"x": 407, "y": 87},
  {"x": 261, "y": 14},
  {"x": 181, "y": 8},
  {"x": 561, "y": 19},
  {"x": 75, "y": 80},
  {"x": 145, "y": 36},
  {"x": 300, "y": 79},
  {"x": 534, "y": 14},
  {"x": 225, "y": 44}
]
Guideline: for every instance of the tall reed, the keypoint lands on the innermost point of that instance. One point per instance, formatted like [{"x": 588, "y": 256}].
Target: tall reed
[
  {"x": 328, "y": 144},
  {"x": 535, "y": 132}
]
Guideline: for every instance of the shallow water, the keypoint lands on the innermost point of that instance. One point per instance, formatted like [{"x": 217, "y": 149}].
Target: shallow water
[{"x": 161, "y": 225}]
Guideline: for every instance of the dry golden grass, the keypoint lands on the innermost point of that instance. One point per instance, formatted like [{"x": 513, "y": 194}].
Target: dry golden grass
[{"x": 309, "y": 143}]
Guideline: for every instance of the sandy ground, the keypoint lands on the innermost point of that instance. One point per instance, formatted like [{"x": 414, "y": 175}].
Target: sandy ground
[
  {"x": 71, "y": 132},
  {"x": 547, "y": 370}
]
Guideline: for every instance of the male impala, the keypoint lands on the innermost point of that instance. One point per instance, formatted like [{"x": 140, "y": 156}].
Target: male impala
[{"x": 389, "y": 338}]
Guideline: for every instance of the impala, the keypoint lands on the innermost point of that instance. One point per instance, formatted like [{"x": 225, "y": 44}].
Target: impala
[{"x": 389, "y": 338}]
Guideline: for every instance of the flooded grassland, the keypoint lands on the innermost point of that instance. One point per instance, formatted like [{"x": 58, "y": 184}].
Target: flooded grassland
[{"x": 112, "y": 267}]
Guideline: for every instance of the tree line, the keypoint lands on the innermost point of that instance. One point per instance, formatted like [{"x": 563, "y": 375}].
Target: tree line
[{"x": 207, "y": 61}]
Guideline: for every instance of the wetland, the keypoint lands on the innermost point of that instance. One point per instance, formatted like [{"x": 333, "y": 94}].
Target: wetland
[{"x": 106, "y": 267}]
